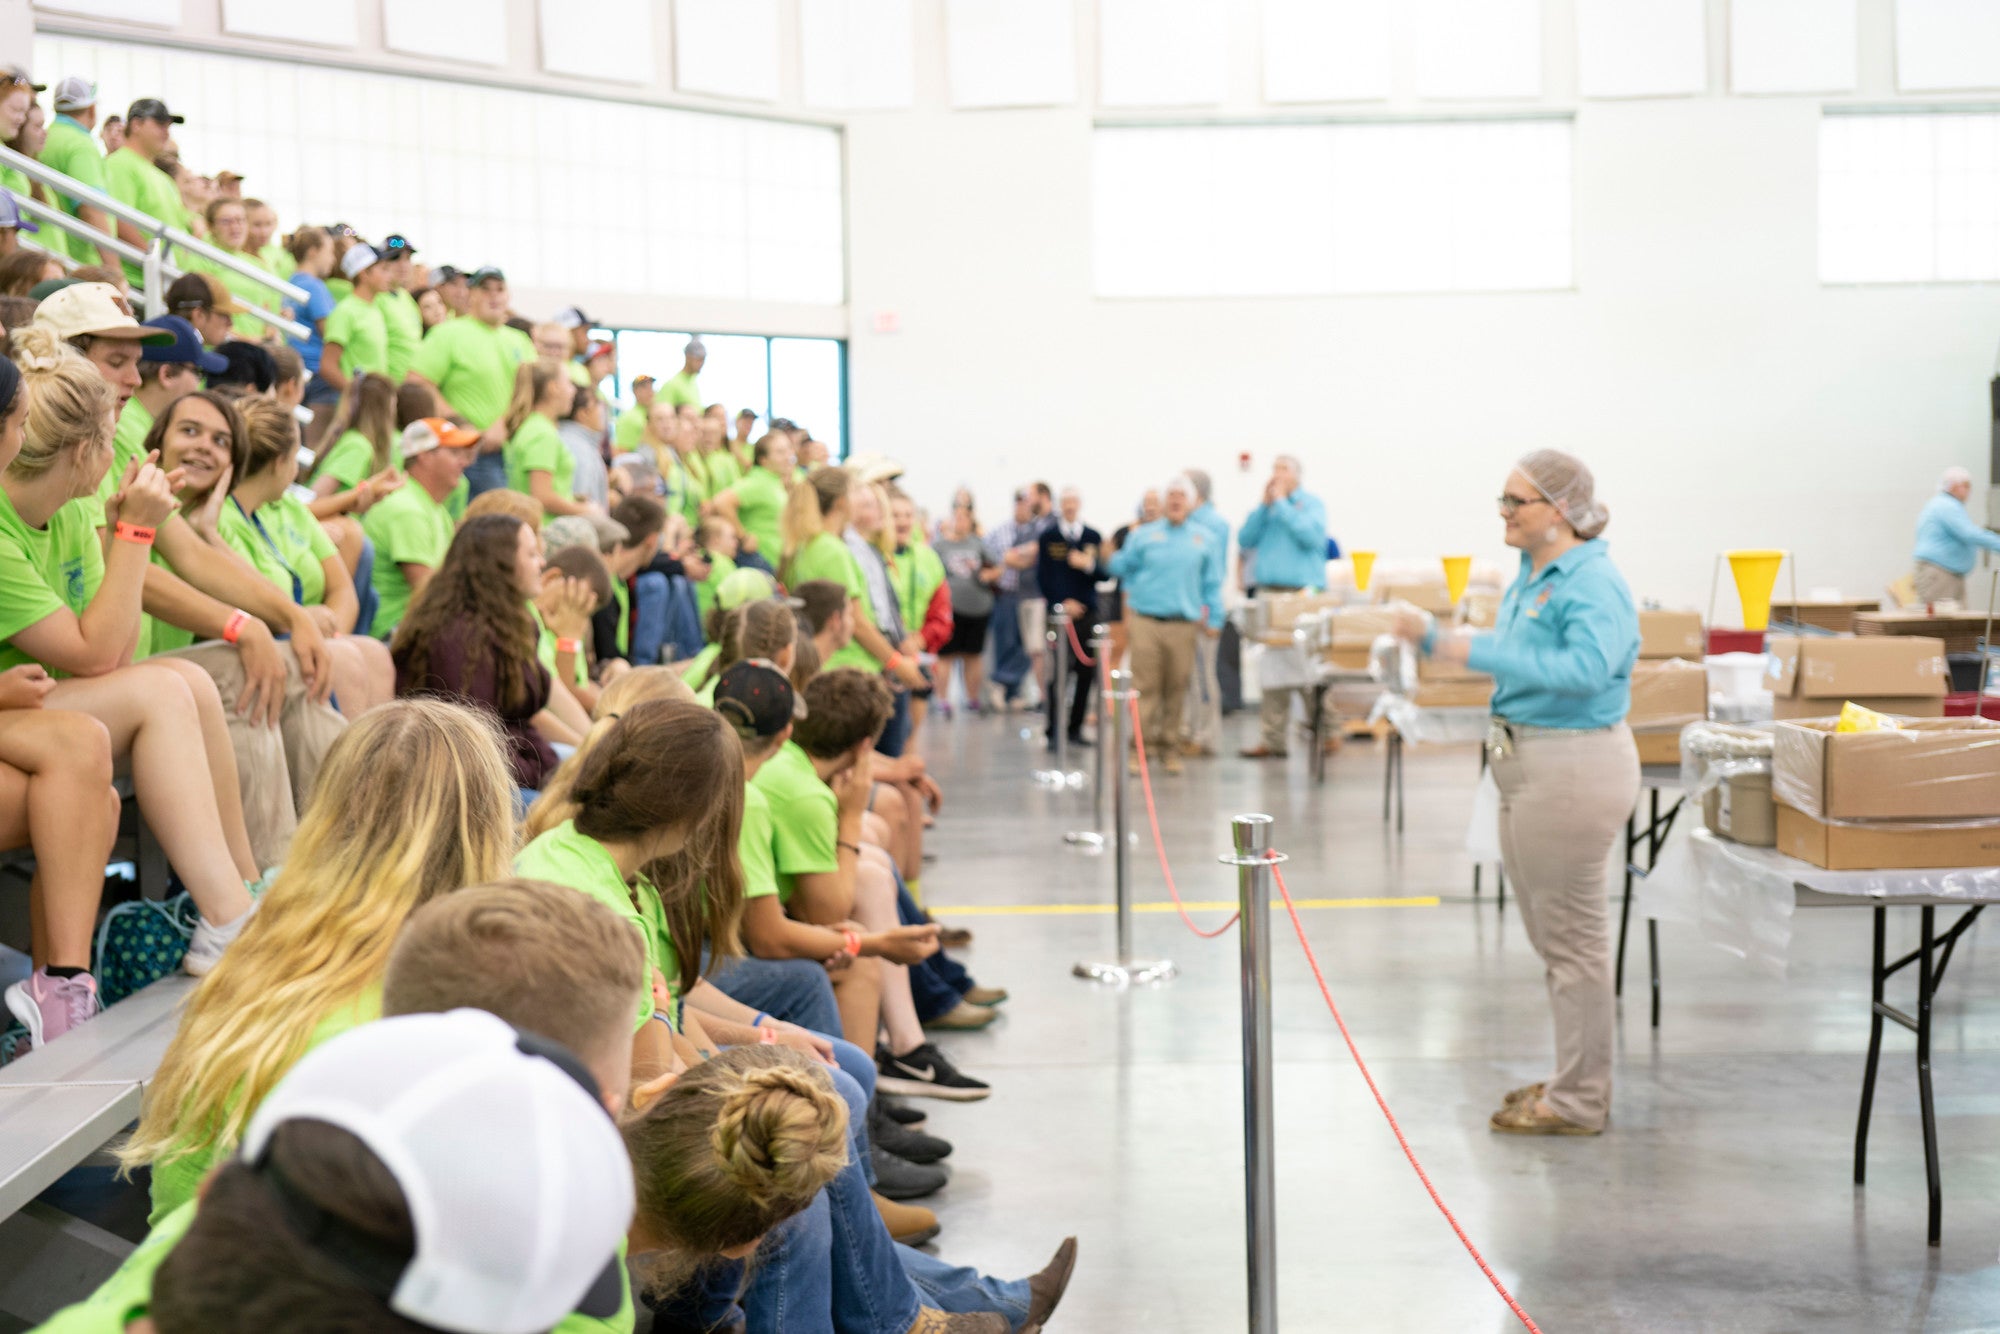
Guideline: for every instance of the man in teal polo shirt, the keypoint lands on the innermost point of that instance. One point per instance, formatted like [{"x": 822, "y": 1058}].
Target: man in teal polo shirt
[
  {"x": 410, "y": 526},
  {"x": 1172, "y": 572},
  {"x": 1283, "y": 546},
  {"x": 1204, "y": 691},
  {"x": 71, "y": 151}
]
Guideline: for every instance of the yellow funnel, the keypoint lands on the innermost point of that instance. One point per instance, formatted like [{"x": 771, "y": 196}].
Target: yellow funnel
[
  {"x": 1364, "y": 568},
  {"x": 1756, "y": 575},
  {"x": 1457, "y": 573}
]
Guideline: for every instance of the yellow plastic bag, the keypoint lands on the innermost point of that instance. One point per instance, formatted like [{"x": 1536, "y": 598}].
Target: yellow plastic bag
[{"x": 1854, "y": 718}]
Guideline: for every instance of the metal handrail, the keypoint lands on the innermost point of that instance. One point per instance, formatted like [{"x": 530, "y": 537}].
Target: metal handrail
[{"x": 62, "y": 221}]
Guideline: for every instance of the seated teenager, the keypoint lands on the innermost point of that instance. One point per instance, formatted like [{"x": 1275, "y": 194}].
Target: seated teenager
[
  {"x": 756, "y": 503},
  {"x": 71, "y": 605},
  {"x": 414, "y": 801},
  {"x": 166, "y": 371},
  {"x": 575, "y": 584},
  {"x": 764, "y": 628},
  {"x": 281, "y": 539},
  {"x": 411, "y": 526},
  {"x": 539, "y": 464},
  {"x": 365, "y": 1199},
  {"x": 633, "y": 627},
  {"x": 363, "y": 463},
  {"x": 715, "y": 538},
  {"x": 470, "y": 637},
  {"x": 816, "y": 515}
]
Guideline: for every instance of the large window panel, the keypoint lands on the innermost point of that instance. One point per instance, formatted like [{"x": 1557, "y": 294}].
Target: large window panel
[
  {"x": 1294, "y": 210},
  {"x": 1947, "y": 44},
  {"x": 1010, "y": 53},
  {"x": 1327, "y": 50},
  {"x": 1909, "y": 197},
  {"x": 799, "y": 378},
  {"x": 809, "y": 386}
]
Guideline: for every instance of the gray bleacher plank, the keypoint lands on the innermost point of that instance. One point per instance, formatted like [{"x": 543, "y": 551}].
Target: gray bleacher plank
[
  {"x": 122, "y": 1045},
  {"x": 51, "y": 1129}
]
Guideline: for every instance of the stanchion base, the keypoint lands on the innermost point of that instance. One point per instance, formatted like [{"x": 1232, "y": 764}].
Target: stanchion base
[
  {"x": 1085, "y": 840},
  {"x": 1051, "y": 778},
  {"x": 1138, "y": 973}
]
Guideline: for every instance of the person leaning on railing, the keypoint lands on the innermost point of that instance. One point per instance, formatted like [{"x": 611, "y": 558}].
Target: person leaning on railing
[{"x": 132, "y": 178}]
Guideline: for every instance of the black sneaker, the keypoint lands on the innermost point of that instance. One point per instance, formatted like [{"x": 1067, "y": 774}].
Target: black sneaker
[
  {"x": 923, "y": 1072},
  {"x": 897, "y": 1179},
  {"x": 900, "y": 1112},
  {"x": 1079, "y": 740},
  {"x": 912, "y": 1146}
]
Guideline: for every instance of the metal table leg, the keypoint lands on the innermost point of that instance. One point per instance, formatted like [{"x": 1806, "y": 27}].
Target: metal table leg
[{"x": 1625, "y": 910}]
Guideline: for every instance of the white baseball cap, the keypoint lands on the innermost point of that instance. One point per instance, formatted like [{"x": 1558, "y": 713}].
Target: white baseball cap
[
  {"x": 517, "y": 1180},
  {"x": 359, "y": 257}
]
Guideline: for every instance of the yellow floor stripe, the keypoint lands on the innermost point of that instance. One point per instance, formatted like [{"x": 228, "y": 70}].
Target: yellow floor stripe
[{"x": 1104, "y": 909}]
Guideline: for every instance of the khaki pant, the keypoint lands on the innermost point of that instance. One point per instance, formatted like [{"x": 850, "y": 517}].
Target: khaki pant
[
  {"x": 274, "y": 768},
  {"x": 1162, "y": 657},
  {"x": 1204, "y": 693},
  {"x": 1563, "y": 802},
  {"x": 1274, "y": 715},
  {"x": 1937, "y": 584}
]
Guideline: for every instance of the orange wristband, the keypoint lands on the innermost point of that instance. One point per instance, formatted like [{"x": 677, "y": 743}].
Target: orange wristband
[
  {"x": 569, "y": 646},
  {"x": 852, "y": 943},
  {"x": 895, "y": 661},
  {"x": 767, "y": 1036},
  {"x": 132, "y": 532},
  {"x": 232, "y": 628}
]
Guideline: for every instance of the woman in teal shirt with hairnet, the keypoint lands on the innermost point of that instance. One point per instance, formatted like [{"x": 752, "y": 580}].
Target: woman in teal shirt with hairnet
[{"x": 1561, "y": 658}]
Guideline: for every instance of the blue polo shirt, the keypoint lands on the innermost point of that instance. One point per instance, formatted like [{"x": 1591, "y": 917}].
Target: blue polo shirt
[
  {"x": 1561, "y": 653},
  {"x": 1172, "y": 571},
  {"x": 1948, "y": 538},
  {"x": 1289, "y": 539}
]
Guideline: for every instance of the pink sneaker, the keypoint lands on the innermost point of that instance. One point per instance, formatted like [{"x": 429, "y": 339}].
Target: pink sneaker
[{"x": 52, "y": 1006}]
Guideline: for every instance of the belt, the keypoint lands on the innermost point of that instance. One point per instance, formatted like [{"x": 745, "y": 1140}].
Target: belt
[
  {"x": 1169, "y": 620},
  {"x": 1529, "y": 732}
]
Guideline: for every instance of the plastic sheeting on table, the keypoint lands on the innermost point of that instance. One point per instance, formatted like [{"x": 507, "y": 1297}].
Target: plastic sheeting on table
[
  {"x": 1741, "y": 898},
  {"x": 1418, "y": 725}
]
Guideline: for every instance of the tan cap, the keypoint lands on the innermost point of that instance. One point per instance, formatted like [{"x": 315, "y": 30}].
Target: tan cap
[
  {"x": 98, "y": 310},
  {"x": 220, "y": 299}
]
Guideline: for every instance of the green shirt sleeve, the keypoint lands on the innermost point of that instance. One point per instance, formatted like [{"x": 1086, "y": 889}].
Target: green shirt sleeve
[
  {"x": 434, "y": 354},
  {"x": 753, "y": 846},
  {"x": 350, "y": 461}
]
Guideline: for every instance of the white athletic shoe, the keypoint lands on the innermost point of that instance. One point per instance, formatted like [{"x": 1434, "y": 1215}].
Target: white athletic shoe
[{"x": 210, "y": 940}]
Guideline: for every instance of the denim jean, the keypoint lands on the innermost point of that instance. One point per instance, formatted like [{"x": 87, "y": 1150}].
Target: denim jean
[
  {"x": 1010, "y": 658},
  {"x": 649, "y": 618},
  {"x": 365, "y": 597},
  {"x": 486, "y": 473},
  {"x": 897, "y": 733},
  {"x": 962, "y": 1289},
  {"x": 795, "y": 990}
]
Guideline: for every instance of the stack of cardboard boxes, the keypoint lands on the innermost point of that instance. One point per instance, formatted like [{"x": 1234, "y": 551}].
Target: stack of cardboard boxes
[
  {"x": 1669, "y": 683},
  {"x": 1926, "y": 794}
]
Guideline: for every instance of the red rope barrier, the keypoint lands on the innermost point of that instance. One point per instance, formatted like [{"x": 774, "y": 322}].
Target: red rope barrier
[
  {"x": 1401, "y": 1142},
  {"x": 1077, "y": 644},
  {"x": 1152, "y": 818}
]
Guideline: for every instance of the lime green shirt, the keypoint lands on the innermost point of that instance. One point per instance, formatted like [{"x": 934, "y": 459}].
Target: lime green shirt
[
  {"x": 754, "y": 847},
  {"x": 695, "y": 667},
  {"x": 719, "y": 568},
  {"x": 176, "y": 1180},
  {"x": 629, "y": 429},
  {"x": 128, "y": 442},
  {"x": 338, "y": 287},
  {"x": 565, "y": 857},
  {"x": 43, "y": 570},
  {"x": 681, "y": 389},
  {"x": 537, "y": 448},
  {"x": 235, "y": 528},
  {"x": 247, "y": 291},
  {"x": 156, "y": 635},
  {"x": 723, "y": 471},
  {"x": 407, "y": 528},
  {"x": 827, "y": 557},
  {"x": 760, "y": 504},
  {"x": 278, "y": 260},
  {"x": 291, "y": 546},
  {"x": 362, "y": 333},
  {"x": 545, "y": 649},
  {"x": 72, "y": 151},
  {"x": 804, "y": 819},
  {"x": 623, "y": 597},
  {"x": 131, "y": 178},
  {"x": 351, "y": 461},
  {"x": 472, "y": 363},
  {"x": 404, "y": 324},
  {"x": 917, "y": 574}
]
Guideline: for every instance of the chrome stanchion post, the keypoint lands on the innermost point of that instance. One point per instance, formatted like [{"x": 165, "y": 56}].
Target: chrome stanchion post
[
  {"x": 1253, "y": 859},
  {"x": 1092, "y": 839},
  {"x": 1126, "y": 970}
]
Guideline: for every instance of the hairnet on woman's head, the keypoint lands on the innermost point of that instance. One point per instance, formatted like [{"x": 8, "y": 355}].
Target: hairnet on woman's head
[{"x": 1567, "y": 484}]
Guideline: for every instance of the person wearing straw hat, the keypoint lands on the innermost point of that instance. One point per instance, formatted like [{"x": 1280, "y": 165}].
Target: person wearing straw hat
[
  {"x": 1948, "y": 541},
  {"x": 1561, "y": 658}
]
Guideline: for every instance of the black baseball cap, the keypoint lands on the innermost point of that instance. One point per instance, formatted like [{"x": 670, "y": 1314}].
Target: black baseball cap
[
  {"x": 396, "y": 246},
  {"x": 757, "y": 699},
  {"x": 244, "y": 363},
  {"x": 445, "y": 273},
  {"x": 186, "y": 347},
  {"x": 152, "y": 108},
  {"x": 486, "y": 273}
]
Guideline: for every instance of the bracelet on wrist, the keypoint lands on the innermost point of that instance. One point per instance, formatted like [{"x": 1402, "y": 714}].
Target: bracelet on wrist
[
  {"x": 767, "y": 1036},
  {"x": 854, "y": 848},
  {"x": 895, "y": 661},
  {"x": 133, "y": 532},
  {"x": 570, "y": 646},
  {"x": 759, "y": 1019},
  {"x": 232, "y": 629},
  {"x": 850, "y": 941}
]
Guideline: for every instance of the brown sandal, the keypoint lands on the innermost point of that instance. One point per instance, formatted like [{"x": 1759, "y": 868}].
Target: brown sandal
[
  {"x": 1521, "y": 1118},
  {"x": 1528, "y": 1093}
]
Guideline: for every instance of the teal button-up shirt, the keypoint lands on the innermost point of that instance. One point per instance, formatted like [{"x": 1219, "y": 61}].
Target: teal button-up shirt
[
  {"x": 1172, "y": 571},
  {"x": 1948, "y": 538},
  {"x": 1562, "y": 651},
  {"x": 1289, "y": 538}
]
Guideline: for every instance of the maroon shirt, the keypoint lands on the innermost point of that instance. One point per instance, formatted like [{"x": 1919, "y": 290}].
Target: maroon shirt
[{"x": 448, "y": 677}]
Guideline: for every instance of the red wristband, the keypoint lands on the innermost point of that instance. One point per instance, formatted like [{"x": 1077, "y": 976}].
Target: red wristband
[
  {"x": 232, "y": 629},
  {"x": 767, "y": 1036},
  {"x": 895, "y": 661},
  {"x": 132, "y": 532},
  {"x": 852, "y": 943},
  {"x": 571, "y": 646}
]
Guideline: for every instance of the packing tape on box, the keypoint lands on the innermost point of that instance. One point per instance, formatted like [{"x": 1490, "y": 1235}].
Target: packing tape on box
[{"x": 1943, "y": 770}]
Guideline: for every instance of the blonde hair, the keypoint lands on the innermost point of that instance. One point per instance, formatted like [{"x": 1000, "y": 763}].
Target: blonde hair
[
  {"x": 531, "y": 380},
  {"x": 806, "y": 510},
  {"x": 633, "y": 688},
  {"x": 504, "y": 500},
  {"x": 69, "y": 404},
  {"x": 415, "y": 800}
]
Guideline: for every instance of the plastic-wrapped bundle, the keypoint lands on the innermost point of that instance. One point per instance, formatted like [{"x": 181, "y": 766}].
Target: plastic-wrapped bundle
[{"x": 1726, "y": 767}]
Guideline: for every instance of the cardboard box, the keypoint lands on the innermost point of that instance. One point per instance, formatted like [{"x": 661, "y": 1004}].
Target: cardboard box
[
  {"x": 1831, "y": 614},
  {"x": 1936, "y": 769},
  {"x": 1424, "y": 597},
  {"x": 1430, "y": 669},
  {"x": 1480, "y": 608},
  {"x": 1901, "y": 674},
  {"x": 1359, "y": 627},
  {"x": 1668, "y": 694},
  {"x": 1658, "y": 747},
  {"x": 1886, "y": 845},
  {"x": 1671, "y": 634},
  {"x": 1454, "y": 694},
  {"x": 1739, "y": 808},
  {"x": 1282, "y": 612},
  {"x": 1347, "y": 659}
]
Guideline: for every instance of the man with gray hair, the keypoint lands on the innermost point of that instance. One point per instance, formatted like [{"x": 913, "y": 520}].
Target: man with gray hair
[
  {"x": 1204, "y": 692},
  {"x": 682, "y": 388},
  {"x": 1172, "y": 572},
  {"x": 1283, "y": 544},
  {"x": 1948, "y": 541}
]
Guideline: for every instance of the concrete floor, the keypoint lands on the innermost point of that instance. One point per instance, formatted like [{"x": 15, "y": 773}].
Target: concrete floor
[{"x": 1720, "y": 1200}]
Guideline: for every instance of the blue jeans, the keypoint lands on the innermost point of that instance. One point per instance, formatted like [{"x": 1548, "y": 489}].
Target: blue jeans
[
  {"x": 938, "y": 982},
  {"x": 963, "y": 1290},
  {"x": 897, "y": 733},
  {"x": 649, "y": 618},
  {"x": 795, "y": 990},
  {"x": 364, "y": 588},
  {"x": 488, "y": 472},
  {"x": 1010, "y": 658}
]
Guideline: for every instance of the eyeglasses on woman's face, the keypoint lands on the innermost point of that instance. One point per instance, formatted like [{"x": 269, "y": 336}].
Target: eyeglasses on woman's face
[{"x": 1511, "y": 504}]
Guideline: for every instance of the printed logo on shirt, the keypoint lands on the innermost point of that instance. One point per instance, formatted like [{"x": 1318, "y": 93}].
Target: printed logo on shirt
[{"x": 73, "y": 590}]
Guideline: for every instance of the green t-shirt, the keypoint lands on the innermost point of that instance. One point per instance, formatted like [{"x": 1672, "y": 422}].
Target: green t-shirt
[
  {"x": 719, "y": 568},
  {"x": 545, "y": 648},
  {"x": 235, "y": 527},
  {"x": 537, "y": 448},
  {"x": 565, "y": 857},
  {"x": 128, "y": 442},
  {"x": 754, "y": 846},
  {"x": 827, "y": 557},
  {"x": 351, "y": 461},
  {"x": 623, "y": 597},
  {"x": 405, "y": 326},
  {"x": 760, "y": 504},
  {"x": 43, "y": 570},
  {"x": 277, "y": 259},
  {"x": 681, "y": 389},
  {"x": 804, "y": 818},
  {"x": 71, "y": 151},
  {"x": 629, "y": 429},
  {"x": 723, "y": 471},
  {"x": 693, "y": 669},
  {"x": 156, "y": 635},
  {"x": 917, "y": 574},
  {"x": 472, "y": 363},
  {"x": 131, "y": 178},
  {"x": 362, "y": 333},
  {"x": 338, "y": 287},
  {"x": 291, "y": 546},
  {"x": 247, "y": 291},
  {"x": 407, "y": 528},
  {"x": 177, "y": 1179}
]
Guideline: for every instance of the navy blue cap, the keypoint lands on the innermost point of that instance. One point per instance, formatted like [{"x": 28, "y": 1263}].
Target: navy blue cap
[
  {"x": 186, "y": 347},
  {"x": 396, "y": 246}
]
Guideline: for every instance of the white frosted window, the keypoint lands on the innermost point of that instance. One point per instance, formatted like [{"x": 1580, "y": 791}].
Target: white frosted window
[
  {"x": 857, "y": 54},
  {"x": 727, "y": 47},
  {"x": 1162, "y": 52},
  {"x": 1011, "y": 53},
  {"x": 611, "y": 39},
  {"x": 1911, "y": 198},
  {"x": 324, "y": 22},
  {"x": 1278, "y": 210},
  {"x": 1478, "y": 48},
  {"x": 165, "y": 13},
  {"x": 1944, "y": 44},
  {"x": 470, "y": 30},
  {"x": 1641, "y": 48},
  {"x": 1792, "y": 46},
  {"x": 1326, "y": 50}
]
